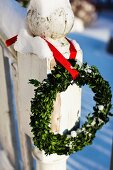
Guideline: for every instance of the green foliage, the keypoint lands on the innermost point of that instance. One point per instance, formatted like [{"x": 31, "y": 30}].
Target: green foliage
[
  {"x": 42, "y": 107},
  {"x": 24, "y": 3}
]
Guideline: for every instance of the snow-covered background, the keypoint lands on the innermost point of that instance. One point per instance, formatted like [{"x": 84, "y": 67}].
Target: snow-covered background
[
  {"x": 12, "y": 17},
  {"x": 94, "y": 41}
]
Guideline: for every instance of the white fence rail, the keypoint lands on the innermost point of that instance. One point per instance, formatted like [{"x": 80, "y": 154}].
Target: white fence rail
[{"x": 15, "y": 96}]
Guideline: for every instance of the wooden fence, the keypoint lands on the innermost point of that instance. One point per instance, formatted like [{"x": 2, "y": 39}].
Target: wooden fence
[{"x": 15, "y": 96}]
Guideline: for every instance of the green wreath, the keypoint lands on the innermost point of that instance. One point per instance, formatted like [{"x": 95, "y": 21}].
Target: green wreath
[{"x": 42, "y": 107}]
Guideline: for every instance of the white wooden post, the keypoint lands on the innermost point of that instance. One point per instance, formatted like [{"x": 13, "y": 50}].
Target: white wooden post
[
  {"x": 29, "y": 67},
  {"x": 42, "y": 22},
  {"x": 32, "y": 67}
]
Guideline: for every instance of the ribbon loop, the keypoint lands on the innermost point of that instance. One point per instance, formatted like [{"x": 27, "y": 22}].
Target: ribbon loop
[{"x": 63, "y": 61}]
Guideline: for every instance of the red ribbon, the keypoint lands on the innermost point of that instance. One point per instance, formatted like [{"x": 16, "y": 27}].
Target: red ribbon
[
  {"x": 63, "y": 61},
  {"x": 11, "y": 41},
  {"x": 57, "y": 55},
  {"x": 73, "y": 51}
]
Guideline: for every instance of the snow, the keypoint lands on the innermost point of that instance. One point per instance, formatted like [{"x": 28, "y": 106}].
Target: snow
[
  {"x": 27, "y": 44},
  {"x": 49, "y": 8},
  {"x": 13, "y": 17},
  {"x": 100, "y": 107},
  {"x": 93, "y": 42},
  {"x": 73, "y": 134}
]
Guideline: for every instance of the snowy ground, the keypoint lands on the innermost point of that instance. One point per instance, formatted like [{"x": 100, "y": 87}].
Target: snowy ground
[{"x": 93, "y": 42}]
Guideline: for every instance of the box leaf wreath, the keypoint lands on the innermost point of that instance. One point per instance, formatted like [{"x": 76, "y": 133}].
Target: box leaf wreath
[{"x": 42, "y": 107}]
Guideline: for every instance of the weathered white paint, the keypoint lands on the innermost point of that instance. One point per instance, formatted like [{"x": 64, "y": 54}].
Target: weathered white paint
[
  {"x": 70, "y": 108},
  {"x": 29, "y": 67},
  {"x": 51, "y": 162},
  {"x": 4, "y": 161},
  {"x": 51, "y": 19},
  {"x": 53, "y": 165}
]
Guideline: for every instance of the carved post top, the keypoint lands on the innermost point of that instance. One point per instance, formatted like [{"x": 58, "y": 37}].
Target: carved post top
[
  {"x": 50, "y": 19},
  {"x": 45, "y": 8}
]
